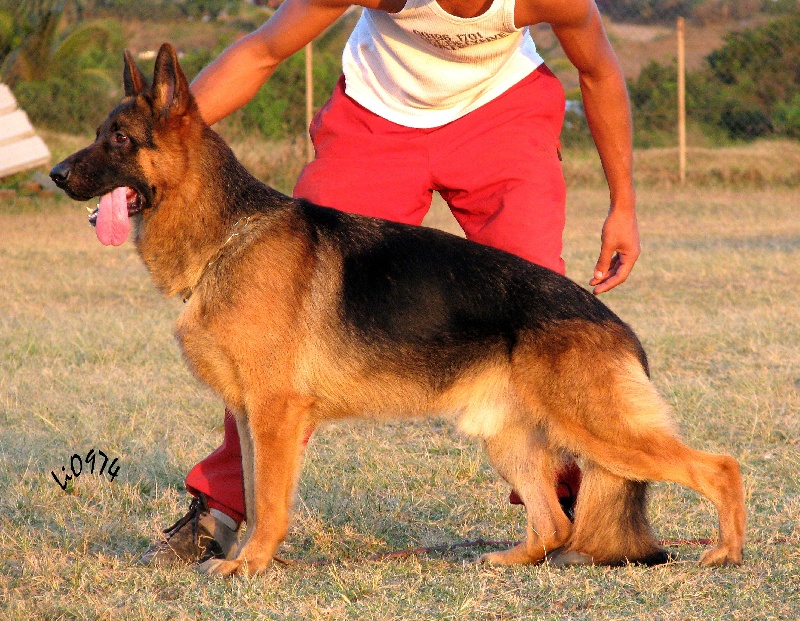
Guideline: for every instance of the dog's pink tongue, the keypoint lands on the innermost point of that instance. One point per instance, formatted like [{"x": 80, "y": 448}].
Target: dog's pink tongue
[{"x": 113, "y": 225}]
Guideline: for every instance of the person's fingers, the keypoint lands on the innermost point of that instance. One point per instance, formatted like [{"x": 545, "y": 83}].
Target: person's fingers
[
  {"x": 603, "y": 266},
  {"x": 619, "y": 272}
]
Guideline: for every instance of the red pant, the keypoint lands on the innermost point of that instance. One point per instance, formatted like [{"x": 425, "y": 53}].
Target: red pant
[{"x": 498, "y": 169}]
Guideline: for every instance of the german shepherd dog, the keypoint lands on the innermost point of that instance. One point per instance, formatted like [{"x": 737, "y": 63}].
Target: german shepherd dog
[{"x": 297, "y": 314}]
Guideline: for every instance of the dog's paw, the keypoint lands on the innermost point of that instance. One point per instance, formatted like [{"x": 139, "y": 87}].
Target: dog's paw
[
  {"x": 518, "y": 555},
  {"x": 568, "y": 558},
  {"x": 222, "y": 567},
  {"x": 218, "y": 567},
  {"x": 721, "y": 556}
]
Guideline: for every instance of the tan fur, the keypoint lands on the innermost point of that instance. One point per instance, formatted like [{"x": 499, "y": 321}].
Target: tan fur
[
  {"x": 193, "y": 241},
  {"x": 549, "y": 397},
  {"x": 263, "y": 328},
  {"x": 483, "y": 401}
]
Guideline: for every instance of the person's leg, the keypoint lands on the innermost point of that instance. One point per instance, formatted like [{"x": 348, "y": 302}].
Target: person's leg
[
  {"x": 499, "y": 170},
  {"x": 365, "y": 164},
  {"x": 210, "y": 527},
  {"x": 219, "y": 476}
]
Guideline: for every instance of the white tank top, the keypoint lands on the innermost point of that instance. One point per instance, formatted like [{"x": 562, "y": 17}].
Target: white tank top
[{"x": 423, "y": 67}]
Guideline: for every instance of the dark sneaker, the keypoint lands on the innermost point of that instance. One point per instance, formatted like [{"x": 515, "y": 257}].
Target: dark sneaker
[{"x": 195, "y": 538}]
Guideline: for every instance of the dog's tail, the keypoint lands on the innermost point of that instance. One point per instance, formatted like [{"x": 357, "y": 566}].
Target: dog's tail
[
  {"x": 601, "y": 406},
  {"x": 611, "y": 526}
]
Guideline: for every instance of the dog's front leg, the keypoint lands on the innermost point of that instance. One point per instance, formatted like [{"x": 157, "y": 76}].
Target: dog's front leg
[{"x": 275, "y": 428}]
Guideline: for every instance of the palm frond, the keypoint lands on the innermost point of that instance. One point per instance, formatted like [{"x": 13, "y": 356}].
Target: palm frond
[{"x": 99, "y": 35}]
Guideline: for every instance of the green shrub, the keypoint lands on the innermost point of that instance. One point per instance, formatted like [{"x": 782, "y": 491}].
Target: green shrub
[
  {"x": 576, "y": 130},
  {"x": 130, "y": 9},
  {"x": 279, "y": 110},
  {"x": 654, "y": 97},
  {"x": 66, "y": 78},
  {"x": 787, "y": 117},
  {"x": 649, "y": 11},
  {"x": 747, "y": 90},
  {"x": 761, "y": 63},
  {"x": 744, "y": 120},
  {"x": 8, "y": 33},
  {"x": 156, "y": 9},
  {"x": 59, "y": 104},
  {"x": 780, "y": 7},
  {"x": 723, "y": 10}
]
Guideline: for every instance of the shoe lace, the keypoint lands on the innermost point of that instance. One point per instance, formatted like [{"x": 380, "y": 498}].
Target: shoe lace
[{"x": 198, "y": 506}]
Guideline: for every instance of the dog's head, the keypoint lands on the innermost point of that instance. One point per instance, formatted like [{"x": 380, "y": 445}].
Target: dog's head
[{"x": 123, "y": 153}]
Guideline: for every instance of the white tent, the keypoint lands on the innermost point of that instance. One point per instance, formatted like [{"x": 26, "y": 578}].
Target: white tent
[{"x": 20, "y": 147}]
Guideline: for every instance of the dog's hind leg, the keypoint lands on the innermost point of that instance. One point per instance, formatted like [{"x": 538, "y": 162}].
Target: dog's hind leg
[
  {"x": 620, "y": 425},
  {"x": 717, "y": 477},
  {"x": 611, "y": 524},
  {"x": 522, "y": 458},
  {"x": 276, "y": 428}
]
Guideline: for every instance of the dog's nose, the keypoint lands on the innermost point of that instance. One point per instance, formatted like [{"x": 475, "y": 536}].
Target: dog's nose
[{"x": 60, "y": 173}]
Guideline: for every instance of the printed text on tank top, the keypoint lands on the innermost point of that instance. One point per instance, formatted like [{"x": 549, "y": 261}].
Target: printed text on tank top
[
  {"x": 425, "y": 63},
  {"x": 464, "y": 9}
]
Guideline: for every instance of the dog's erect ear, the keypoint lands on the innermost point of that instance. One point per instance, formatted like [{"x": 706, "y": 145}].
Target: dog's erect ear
[
  {"x": 170, "y": 87},
  {"x": 132, "y": 77}
]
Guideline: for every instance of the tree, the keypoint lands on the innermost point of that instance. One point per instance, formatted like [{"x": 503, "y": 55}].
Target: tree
[
  {"x": 758, "y": 71},
  {"x": 61, "y": 73},
  {"x": 762, "y": 64},
  {"x": 750, "y": 87},
  {"x": 44, "y": 50}
]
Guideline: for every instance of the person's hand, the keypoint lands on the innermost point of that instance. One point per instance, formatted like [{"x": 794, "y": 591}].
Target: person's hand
[{"x": 618, "y": 251}]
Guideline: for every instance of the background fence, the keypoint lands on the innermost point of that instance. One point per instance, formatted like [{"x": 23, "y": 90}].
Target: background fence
[{"x": 742, "y": 57}]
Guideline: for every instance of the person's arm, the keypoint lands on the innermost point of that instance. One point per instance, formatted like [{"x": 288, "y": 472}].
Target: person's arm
[
  {"x": 235, "y": 76},
  {"x": 579, "y": 29}
]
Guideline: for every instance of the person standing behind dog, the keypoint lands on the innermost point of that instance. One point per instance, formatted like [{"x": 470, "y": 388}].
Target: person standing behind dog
[{"x": 436, "y": 95}]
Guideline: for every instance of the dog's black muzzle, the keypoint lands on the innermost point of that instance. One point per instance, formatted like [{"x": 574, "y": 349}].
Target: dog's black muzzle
[
  {"x": 63, "y": 175},
  {"x": 60, "y": 174}
]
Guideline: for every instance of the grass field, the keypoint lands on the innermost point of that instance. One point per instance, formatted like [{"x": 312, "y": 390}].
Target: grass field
[{"x": 87, "y": 361}]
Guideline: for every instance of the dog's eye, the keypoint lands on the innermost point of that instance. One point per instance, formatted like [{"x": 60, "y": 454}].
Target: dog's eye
[{"x": 120, "y": 138}]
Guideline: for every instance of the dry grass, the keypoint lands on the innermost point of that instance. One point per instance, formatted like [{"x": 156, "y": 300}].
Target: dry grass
[
  {"x": 761, "y": 164},
  {"x": 87, "y": 361}
]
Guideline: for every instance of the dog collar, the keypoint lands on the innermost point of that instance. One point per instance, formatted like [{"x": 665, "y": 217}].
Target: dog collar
[{"x": 238, "y": 228}]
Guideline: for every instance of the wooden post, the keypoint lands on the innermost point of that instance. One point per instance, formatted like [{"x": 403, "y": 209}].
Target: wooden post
[
  {"x": 681, "y": 102},
  {"x": 309, "y": 100}
]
